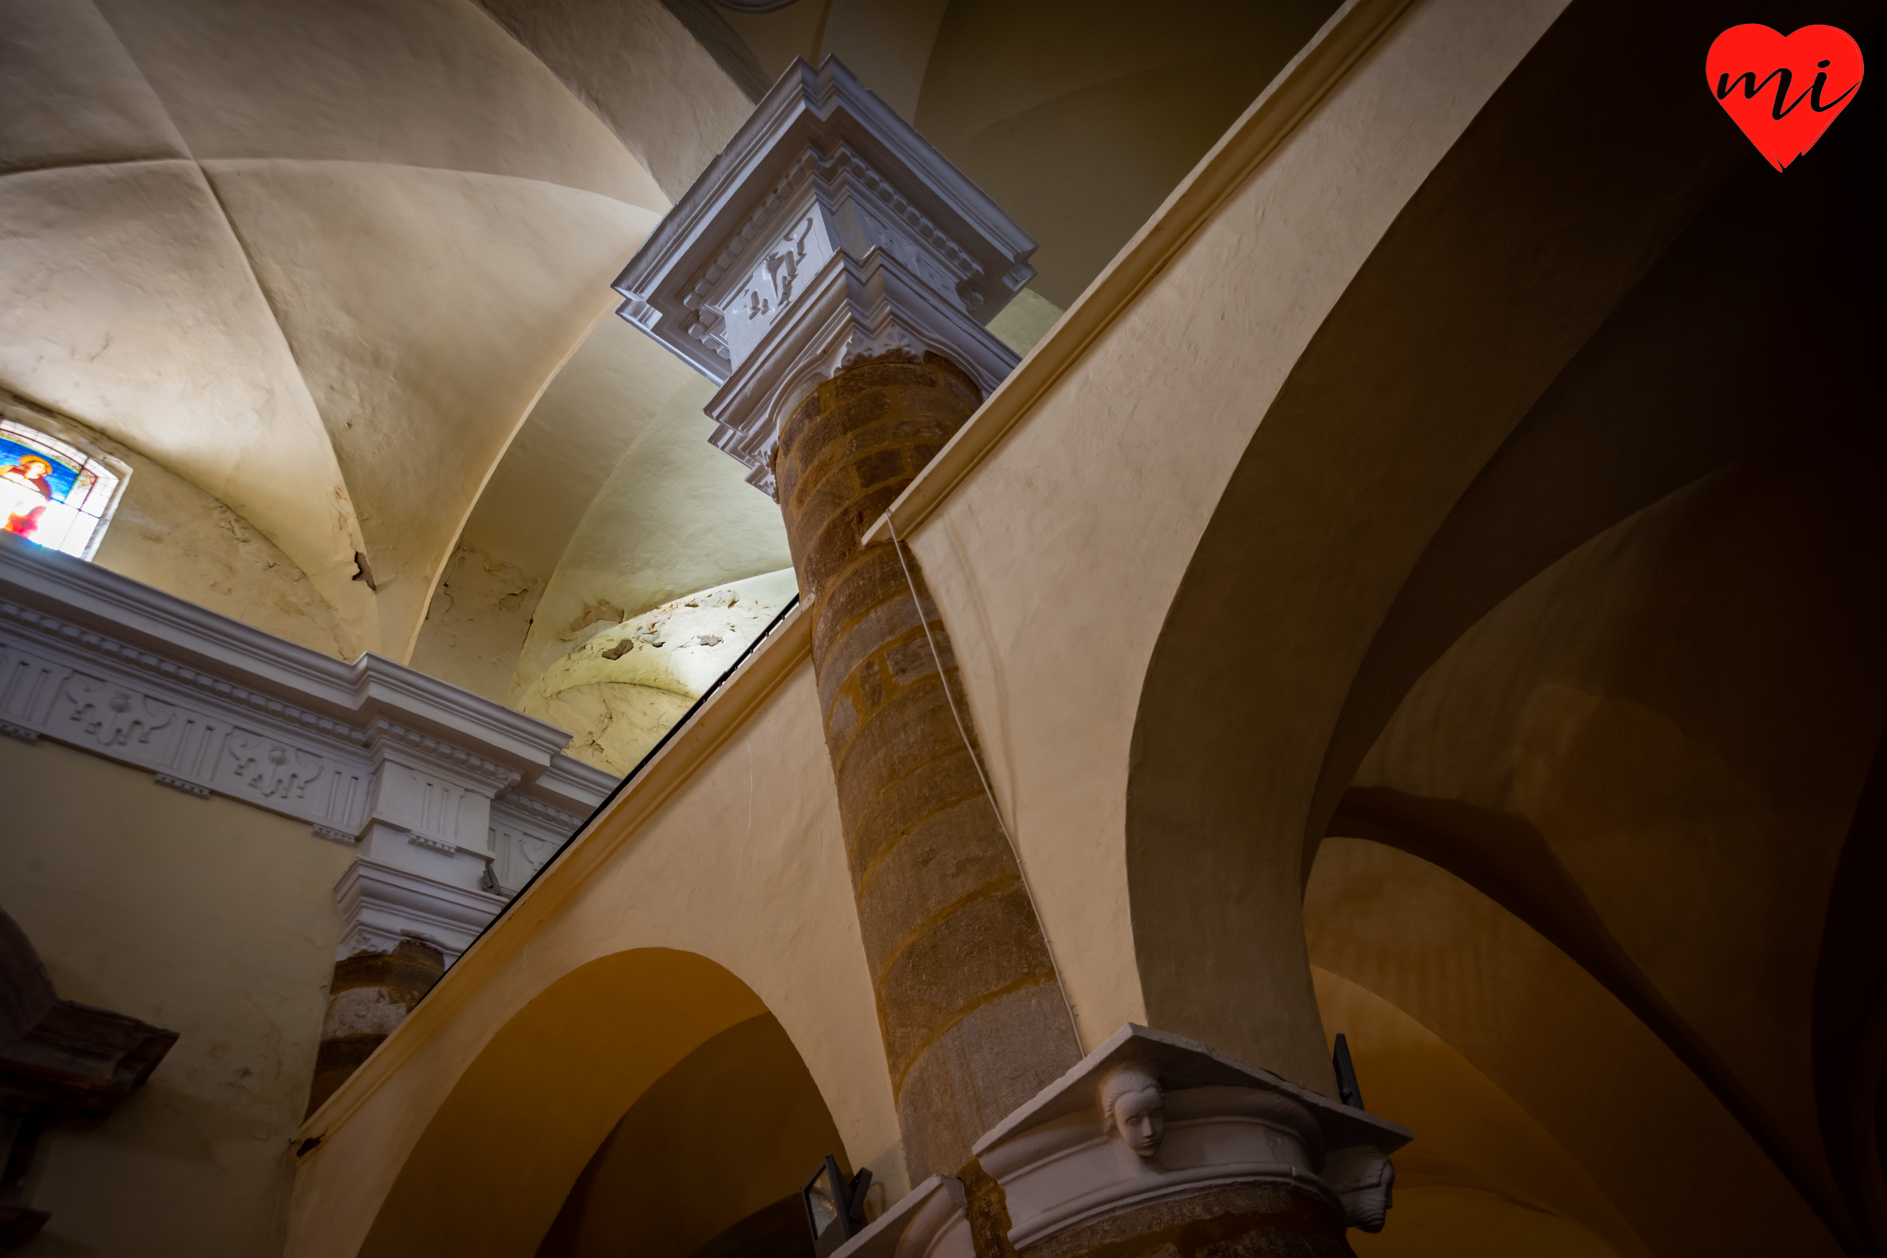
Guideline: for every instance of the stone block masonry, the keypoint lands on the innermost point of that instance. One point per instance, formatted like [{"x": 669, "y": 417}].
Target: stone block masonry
[{"x": 973, "y": 1017}]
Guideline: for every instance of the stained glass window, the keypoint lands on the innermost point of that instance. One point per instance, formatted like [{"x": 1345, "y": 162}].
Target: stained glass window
[{"x": 51, "y": 492}]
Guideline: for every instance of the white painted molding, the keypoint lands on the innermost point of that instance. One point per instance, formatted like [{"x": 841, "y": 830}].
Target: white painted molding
[
  {"x": 1082, "y": 1149},
  {"x": 822, "y": 170},
  {"x": 927, "y": 1222},
  {"x": 383, "y": 904},
  {"x": 1064, "y": 1159},
  {"x": 426, "y": 778},
  {"x": 851, "y": 310}
]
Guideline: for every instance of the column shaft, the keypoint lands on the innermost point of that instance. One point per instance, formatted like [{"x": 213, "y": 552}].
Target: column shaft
[
  {"x": 369, "y": 996},
  {"x": 973, "y": 1018}
]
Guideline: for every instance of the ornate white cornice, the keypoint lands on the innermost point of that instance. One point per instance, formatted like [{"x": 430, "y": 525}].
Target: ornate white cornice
[
  {"x": 369, "y": 753},
  {"x": 1194, "y": 1122},
  {"x": 851, "y": 310},
  {"x": 822, "y": 168}
]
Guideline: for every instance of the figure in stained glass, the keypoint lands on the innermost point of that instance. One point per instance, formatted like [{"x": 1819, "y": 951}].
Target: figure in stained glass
[
  {"x": 51, "y": 492},
  {"x": 31, "y": 471}
]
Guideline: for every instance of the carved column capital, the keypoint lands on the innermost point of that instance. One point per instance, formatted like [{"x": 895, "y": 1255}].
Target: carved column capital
[
  {"x": 1148, "y": 1132},
  {"x": 828, "y": 230}
]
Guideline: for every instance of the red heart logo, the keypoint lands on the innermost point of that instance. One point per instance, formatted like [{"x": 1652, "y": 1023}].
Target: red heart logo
[{"x": 1783, "y": 91}]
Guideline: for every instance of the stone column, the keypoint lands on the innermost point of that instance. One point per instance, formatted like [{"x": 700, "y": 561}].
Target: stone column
[
  {"x": 834, "y": 274},
  {"x": 973, "y": 1016},
  {"x": 370, "y": 995}
]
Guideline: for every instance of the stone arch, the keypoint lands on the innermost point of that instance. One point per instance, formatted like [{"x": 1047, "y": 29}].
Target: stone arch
[
  {"x": 1306, "y": 613},
  {"x": 498, "y": 1159}
]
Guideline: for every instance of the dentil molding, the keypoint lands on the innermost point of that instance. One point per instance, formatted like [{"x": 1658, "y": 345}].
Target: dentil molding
[{"x": 434, "y": 784}]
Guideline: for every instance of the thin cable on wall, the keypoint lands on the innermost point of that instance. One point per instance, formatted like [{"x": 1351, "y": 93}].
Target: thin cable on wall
[{"x": 1073, "y": 1025}]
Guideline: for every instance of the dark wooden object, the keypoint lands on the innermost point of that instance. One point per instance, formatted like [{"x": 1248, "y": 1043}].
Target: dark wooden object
[{"x": 60, "y": 1061}]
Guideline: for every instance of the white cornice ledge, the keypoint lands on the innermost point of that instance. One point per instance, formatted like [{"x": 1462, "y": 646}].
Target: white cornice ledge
[
  {"x": 210, "y": 705},
  {"x": 1065, "y": 1160},
  {"x": 930, "y": 1221},
  {"x": 183, "y": 640}
]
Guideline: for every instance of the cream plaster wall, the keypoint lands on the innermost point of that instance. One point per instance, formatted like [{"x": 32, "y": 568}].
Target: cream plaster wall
[
  {"x": 623, "y": 683},
  {"x": 169, "y": 534},
  {"x": 476, "y": 623},
  {"x": 641, "y": 72},
  {"x": 1483, "y": 1175},
  {"x": 601, "y": 400},
  {"x": 422, "y": 374},
  {"x": 1079, "y": 121},
  {"x": 204, "y": 917},
  {"x": 1055, "y": 561},
  {"x": 1701, "y": 823},
  {"x": 739, "y": 1124},
  {"x": 675, "y": 516},
  {"x": 743, "y": 865}
]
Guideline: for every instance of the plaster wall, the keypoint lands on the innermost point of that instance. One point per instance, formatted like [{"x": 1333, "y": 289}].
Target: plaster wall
[
  {"x": 1550, "y": 1036},
  {"x": 640, "y": 71},
  {"x": 1482, "y": 1174},
  {"x": 623, "y": 683},
  {"x": 477, "y": 622},
  {"x": 1701, "y": 823},
  {"x": 596, "y": 407},
  {"x": 169, "y": 534},
  {"x": 1079, "y": 126},
  {"x": 663, "y": 1182},
  {"x": 1056, "y": 558},
  {"x": 204, "y": 917},
  {"x": 741, "y": 868},
  {"x": 675, "y": 516}
]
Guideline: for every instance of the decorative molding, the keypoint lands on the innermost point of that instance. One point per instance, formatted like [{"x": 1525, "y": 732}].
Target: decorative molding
[
  {"x": 690, "y": 748},
  {"x": 209, "y": 706},
  {"x": 1149, "y": 1117},
  {"x": 484, "y": 771},
  {"x": 852, "y": 310},
  {"x": 382, "y": 904},
  {"x": 178, "y": 784},
  {"x": 1290, "y": 99},
  {"x": 822, "y": 168},
  {"x": 930, "y": 1221}
]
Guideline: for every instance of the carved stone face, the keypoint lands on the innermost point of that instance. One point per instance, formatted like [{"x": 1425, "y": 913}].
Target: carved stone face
[
  {"x": 1133, "y": 1107},
  {"x": 1365, "y": 1180},
  {"x": 1141, "y": 1119}
]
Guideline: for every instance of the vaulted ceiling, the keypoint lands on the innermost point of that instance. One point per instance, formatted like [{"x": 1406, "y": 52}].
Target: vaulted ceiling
[{"x": 341, "y": 267}]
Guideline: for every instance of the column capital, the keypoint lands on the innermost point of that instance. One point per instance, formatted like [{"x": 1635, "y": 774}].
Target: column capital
[
  {"x": 1148, "y": 1129},
  {"x": 824, "y": 196},
  {"x": 850, "y": 311}
]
